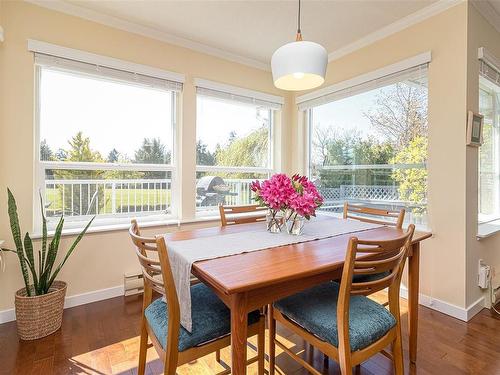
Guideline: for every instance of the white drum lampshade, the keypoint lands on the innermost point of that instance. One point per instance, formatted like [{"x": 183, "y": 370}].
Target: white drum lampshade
[{"x": 299, "y": 65}]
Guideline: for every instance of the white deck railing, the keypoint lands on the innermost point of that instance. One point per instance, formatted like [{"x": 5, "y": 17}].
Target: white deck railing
[
  {"x": 104, "y": 197},
  {"x": 122, "y": 196}
]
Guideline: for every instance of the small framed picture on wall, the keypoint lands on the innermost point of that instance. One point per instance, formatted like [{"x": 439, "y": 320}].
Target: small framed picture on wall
[{"x": 474, "y": 129}]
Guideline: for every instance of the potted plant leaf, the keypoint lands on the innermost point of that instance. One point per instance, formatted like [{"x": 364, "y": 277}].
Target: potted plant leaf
[{"x": 39, "y": 305}]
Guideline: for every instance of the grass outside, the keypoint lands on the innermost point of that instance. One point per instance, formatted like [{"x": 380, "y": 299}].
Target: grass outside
[{"x": 126, "y": 200}]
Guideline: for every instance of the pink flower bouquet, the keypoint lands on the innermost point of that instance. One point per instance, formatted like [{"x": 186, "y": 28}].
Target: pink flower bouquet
[
  {"x": 306, "y": 198},
  {"x": 302, "y": 204},
  {"x": 274, "y": 194},
  {"x": 280, "y": 193}
]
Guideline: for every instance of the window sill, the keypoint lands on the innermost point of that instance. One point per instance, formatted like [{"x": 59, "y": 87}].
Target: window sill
[
  {"x": 125, "y": 226},
  {"x": 487, "y": 229}
]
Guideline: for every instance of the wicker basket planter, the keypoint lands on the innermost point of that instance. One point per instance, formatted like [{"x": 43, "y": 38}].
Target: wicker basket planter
[{"x": 39, "y": 316}]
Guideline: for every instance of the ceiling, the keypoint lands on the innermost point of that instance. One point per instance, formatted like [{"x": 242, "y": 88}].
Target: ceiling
[
  {"x": 496, "y": 5},
  {"x": 250, "y": 29}
]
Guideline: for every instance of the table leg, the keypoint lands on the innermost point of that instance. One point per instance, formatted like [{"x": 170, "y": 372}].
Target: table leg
[
  {"x": 239, "y": 326},
  {"x": 413, "y": 293}
]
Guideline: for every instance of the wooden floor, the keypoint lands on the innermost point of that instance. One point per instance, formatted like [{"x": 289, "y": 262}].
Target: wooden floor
[{"x": 102, "y": 338}]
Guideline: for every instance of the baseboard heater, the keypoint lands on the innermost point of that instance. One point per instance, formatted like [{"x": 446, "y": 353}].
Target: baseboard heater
[{"x": 132, "y": 284}]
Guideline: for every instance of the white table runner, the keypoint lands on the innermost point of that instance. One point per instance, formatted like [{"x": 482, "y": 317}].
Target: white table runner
[{"x": 182, "y": 254}]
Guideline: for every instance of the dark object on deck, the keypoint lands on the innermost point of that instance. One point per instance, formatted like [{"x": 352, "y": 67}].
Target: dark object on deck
[{"x": 211, "y": 191}]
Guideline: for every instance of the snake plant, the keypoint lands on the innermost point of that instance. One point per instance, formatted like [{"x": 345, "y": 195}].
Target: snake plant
[{"x": 39, "y": 274}]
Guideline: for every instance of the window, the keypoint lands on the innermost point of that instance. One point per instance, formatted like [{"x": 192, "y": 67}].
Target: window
[
  {"x": 368, "y": 144},
  {"x": 489, "y": 158},
  {"x": 105, "y": 140},
  {"x": 233, "y": 147}
]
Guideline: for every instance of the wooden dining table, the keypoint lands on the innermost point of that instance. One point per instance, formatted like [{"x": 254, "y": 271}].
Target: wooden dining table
[{"x": 249, "y": 281}]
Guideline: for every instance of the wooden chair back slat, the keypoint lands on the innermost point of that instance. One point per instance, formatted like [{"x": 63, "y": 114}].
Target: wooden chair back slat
[
  {"x": 233, "y": 215},
  {"x": 376, "y": 266},
  {"x": 388, "y": 257},
  {"x": 374, "y": 215},
  {"x": 154, "y": 283}
]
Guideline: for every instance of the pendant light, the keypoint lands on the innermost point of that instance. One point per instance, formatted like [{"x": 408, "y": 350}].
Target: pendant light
[{"x": 300, "y": 65}]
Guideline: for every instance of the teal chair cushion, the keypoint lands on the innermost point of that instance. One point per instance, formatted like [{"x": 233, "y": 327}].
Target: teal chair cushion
[
  {"x": 369, "y": 277},
  {"x": 315, "y": 310},
  {"x": 211, "y": 319}
]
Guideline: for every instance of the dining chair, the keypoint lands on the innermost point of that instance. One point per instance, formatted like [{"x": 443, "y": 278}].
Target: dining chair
[
  {"x": 161, "y": 321},
  {"x": 393, "y": 218},
  {"x": 339, "y": 319},
  {"x": 373, "y": 215},
  {"x": 232, "y": 215}
]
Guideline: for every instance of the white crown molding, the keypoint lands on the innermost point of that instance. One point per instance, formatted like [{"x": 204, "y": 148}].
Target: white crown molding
[
  {"x": 118, "y": 23},
  {"x": 487, "y": 10},
  {"x": 393, "y": 28},
  {"x": 403, "y": 23}
]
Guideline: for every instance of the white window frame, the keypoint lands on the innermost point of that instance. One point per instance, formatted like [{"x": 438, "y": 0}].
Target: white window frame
[
  {"x": 488, "y": 226},
  {"x": 349, "y": 88},
  {"x": 102, "y": 222},
  {"x": 267, "y": 171},
  {"x": 483, "y": 218}
]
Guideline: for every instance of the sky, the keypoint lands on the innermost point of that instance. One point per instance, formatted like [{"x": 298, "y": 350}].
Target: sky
[
  {"x": 347, "y": 114},
  {"x": 113, "y": 115},
  {"x": 117, "y": 115},
  {"x": 215, "y": 119}
]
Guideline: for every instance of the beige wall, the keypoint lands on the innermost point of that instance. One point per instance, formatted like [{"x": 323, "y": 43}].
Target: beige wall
[
  {"x": 479, "y": 34},
  {"x": 445, "y": 36},
  {"x": 102, "y": 258}
]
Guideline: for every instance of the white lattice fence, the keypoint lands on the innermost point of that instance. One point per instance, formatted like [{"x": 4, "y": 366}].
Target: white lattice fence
[
  {"x": 367, "y": 192},
  {"x": 330, "y": 194}
]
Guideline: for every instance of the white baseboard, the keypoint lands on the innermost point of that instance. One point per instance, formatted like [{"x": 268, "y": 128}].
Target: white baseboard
[
  {"x": 7, "y": 316},
  {"x": 475, "y": 308},
  {"x": 447, "y": 308},
  {"x": 78, "y": 299},
  {"x": 98, "y": 295}
]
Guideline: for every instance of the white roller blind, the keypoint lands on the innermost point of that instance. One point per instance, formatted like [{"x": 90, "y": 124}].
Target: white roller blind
[
  {"x": 489, "y": 72},
  {"x": 69, "y": 65},
  {"x": 240, "y": 95},
  {"x": 416, "y": 75}
]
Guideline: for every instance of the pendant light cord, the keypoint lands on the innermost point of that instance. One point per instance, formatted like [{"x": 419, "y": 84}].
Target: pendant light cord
[
  {"x": 299, "y": 33},
  {"x": 298, "y": 20}
]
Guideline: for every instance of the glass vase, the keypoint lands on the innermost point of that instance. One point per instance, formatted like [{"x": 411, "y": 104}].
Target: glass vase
[
  {"x": 274, "y": 221},
  {"x": 295, "y": 224}
]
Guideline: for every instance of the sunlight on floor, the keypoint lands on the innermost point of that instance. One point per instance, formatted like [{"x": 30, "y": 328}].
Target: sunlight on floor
[{"x": 122, "y": 357}]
